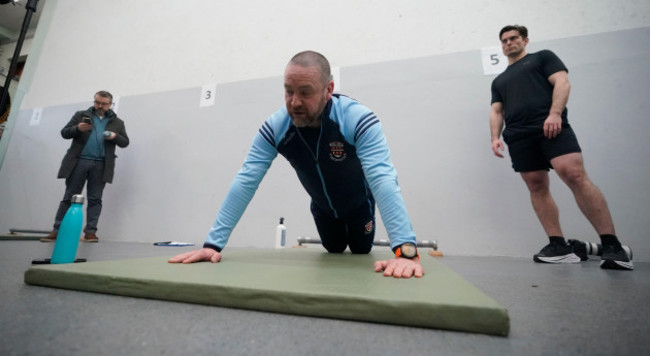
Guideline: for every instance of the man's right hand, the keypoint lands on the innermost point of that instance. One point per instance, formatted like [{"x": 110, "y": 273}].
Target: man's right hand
[
  {"x": 83, "y": 127},
  {"x": 497, "y": 146},
  {"x": 204, "y": 254}
]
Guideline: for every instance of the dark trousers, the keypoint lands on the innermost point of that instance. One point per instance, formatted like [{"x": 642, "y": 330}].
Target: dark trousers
[
  {"x": 93, "y": 172},
  {"x": 356, "y": 230}
]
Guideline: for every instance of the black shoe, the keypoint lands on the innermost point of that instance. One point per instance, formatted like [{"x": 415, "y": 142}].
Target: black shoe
[
  {"x": 579, "y": 248},
  {"x": 556, "y": 253},
  {"x": 614, "y": 257}
]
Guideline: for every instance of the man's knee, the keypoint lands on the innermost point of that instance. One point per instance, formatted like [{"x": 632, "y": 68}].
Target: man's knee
[
  {"x": 361, "y": 250},
  {"x": 537, "y": 182},
  {"x": 570, "y": 168},
  {"x": 333, "y": 247},
  {"x": 357, "y": 249},
  {"x": 573, "y": 176}
]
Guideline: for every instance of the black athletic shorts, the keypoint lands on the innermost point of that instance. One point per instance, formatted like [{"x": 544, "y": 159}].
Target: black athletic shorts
[{"x": 534, "y": 152}]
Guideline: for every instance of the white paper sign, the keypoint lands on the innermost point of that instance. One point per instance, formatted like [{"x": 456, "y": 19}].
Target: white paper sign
[
  {"x": 494, "y": 62},
  {"x": 207, "y": 95},
  {"x": 336, "y": 77},
  {"x": 36, "y": 117}
]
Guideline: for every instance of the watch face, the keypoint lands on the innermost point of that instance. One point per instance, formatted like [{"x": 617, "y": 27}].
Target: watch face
[{"x": 408, "y": 250}]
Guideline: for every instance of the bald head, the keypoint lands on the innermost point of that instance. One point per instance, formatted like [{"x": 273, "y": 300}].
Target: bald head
[{"x": 313, "y": 59}]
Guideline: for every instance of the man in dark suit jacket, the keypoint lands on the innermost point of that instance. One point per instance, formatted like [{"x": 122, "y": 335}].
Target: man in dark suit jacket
[{"x": 91, "y": 158}]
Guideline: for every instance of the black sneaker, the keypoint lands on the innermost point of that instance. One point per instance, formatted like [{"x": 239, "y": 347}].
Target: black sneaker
[
  {"x": 614, "y": 257},
  {"x": 579, "y": 248},
  {"x": 556, "y": 253}
]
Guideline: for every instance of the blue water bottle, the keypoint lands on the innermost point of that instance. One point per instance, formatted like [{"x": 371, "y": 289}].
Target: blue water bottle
[{"x": 67, "y": 240}]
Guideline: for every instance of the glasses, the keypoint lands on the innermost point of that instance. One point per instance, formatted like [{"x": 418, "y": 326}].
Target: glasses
[{"x": 99, "y": 103}]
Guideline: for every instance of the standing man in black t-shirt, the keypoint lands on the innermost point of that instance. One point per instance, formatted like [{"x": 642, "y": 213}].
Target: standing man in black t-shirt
[{"x": 531, "y": 96}]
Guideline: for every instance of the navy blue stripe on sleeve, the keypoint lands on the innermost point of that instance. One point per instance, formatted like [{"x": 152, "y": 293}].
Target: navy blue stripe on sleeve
[
  {"x": 365, "y": 123},
  {"x": 267, "y": 133}
]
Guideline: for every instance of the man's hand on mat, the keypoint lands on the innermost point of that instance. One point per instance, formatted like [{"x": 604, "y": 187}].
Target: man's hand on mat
[
  {"x": 204, "y": 254},
  {"x": 400, "y": 268}
]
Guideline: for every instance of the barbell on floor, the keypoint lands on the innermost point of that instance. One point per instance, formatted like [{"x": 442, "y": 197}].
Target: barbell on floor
[{"x": 433, "y": 244}]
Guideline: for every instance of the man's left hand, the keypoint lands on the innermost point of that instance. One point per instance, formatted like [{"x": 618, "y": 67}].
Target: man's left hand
[
  {"x": 552, "y": 126},
  {"x": 400, "y": 268}
]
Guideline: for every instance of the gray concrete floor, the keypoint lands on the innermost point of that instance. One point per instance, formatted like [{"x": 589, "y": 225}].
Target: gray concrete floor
[{"x": 554, "y": 310}]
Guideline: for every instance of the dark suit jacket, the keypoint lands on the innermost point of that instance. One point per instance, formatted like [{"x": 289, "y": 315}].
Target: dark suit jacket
[{"x": 79, "y": 140}]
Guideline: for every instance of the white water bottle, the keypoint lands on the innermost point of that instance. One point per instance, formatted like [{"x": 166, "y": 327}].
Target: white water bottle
[{"x": 280, "y": 234}]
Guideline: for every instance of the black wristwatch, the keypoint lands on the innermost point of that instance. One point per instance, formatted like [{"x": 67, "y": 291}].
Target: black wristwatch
[{"x": 407, "y": 250}]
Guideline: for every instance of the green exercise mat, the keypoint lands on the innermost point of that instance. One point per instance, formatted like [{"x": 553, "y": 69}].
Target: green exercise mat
[{"x": 294, "y": 281}]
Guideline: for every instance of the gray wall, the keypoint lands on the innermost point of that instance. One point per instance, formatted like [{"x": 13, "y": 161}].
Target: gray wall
[
  {"x": 234, "y": 40},
  {"x": 170, "y": 182}
]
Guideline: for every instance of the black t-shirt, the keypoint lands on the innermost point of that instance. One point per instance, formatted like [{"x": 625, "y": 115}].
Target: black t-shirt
[{"x": 526, "y": 93}]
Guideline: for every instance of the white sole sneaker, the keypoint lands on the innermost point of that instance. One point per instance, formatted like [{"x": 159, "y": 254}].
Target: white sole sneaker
[
  {"x": 613, "y": 264},
  {"x": 570, "y": 258}
]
